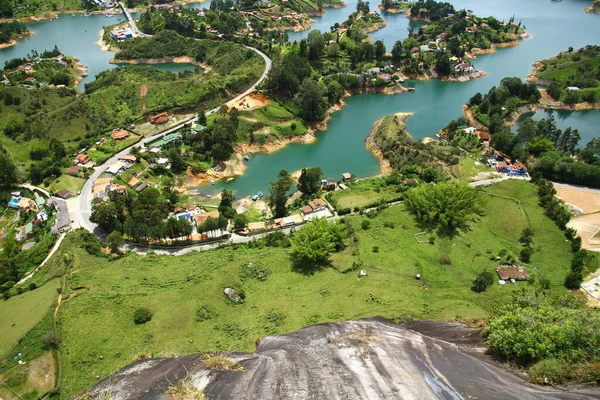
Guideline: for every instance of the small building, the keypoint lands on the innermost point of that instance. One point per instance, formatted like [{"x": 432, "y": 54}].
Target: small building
[
  {"x": 74, "y": 170},
  {"x": 83, "y": 158},
  {"x": 317, "y": 205},
  {"x": 329, "y": 184},
  {"x": 133, "y": 182},
  {"x": 141, "y": 187},
  {"x": 201, "y": 218},
  {"x": 410, "y": 182},
  {"x": 119, "y": 134},
  {"x": 64, "y": 194},
  {"x": 128, "y": 158},
  {"x": 346, "y": 176},
  {"x": 162, "y": 161},
  {"x": 159, "y": 118},
  {"x": 501, "y": 166},
  {"x": 117, "y": 167},
  {"x": 573, "y": 89},
  {"x": 484, "y": 136},
  {"x": 306, "y": 210},
  {"x": 30, "y": 79},
  {"x": 508, "y": 272},
  {"x": 256, "y": 226}
]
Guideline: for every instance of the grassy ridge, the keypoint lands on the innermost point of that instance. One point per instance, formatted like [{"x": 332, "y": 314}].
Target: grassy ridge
[{"x": 98, "y": 320}]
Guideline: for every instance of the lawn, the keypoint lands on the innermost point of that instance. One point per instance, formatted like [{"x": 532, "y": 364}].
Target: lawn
[
  {"x": 278, "y": 120},
  {"x": 69, "y": 182},
  {"x": 97, "y": 321},
  {"x": 468, "y": 168},
  {"x": 363, "y": 193},
  {"x": 20, "y": 313}
]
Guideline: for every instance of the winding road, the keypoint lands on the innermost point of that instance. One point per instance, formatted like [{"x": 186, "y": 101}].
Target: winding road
[{"x": 80, "y": 207}]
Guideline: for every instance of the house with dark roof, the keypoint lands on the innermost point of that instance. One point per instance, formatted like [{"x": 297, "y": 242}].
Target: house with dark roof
[
  {"x": 83, "y": 158},
  {"x": 141, "y": 187},
  {"x": 64, "y": 194},
  {"x": 329, "y": 184},
  {"x": 508, "y": 272}
]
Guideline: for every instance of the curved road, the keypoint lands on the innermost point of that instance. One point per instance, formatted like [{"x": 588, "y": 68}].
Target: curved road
[{"x": 80, "y": 207}]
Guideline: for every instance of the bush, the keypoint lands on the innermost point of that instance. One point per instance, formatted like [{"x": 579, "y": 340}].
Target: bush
[
  {"x": 445, "y": 259},
  {"x": 142, "y": 315},
  {"x": 366, "y": 224},
  {"x": 344, "y": 211},
  {"x": 204, "y": 313},
  {"x": 375, "y": 249},
  {"x": 484, "y": 280},
  {"x": 19, "y": 290},
  {"x": 32, "y": 286},
  {"x": 389, "y": 224},
  {"x": 545, "y": 283},
  {"x": 50, "y": 340}
]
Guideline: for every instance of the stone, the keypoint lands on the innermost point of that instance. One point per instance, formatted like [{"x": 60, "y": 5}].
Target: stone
[
  {"x": 362, "y": 273},
  {"x": 230, "y": 293}
]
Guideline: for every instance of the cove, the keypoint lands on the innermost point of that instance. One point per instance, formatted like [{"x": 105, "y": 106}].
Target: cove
[
  {"x": 554, "y": 26},
  {"x": 75, "y": 36}
]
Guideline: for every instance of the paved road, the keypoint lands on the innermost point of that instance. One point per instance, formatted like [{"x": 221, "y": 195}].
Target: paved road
[{"x": 80, "y": 210}]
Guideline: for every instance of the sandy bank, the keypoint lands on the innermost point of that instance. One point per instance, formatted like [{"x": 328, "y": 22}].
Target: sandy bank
[
  {"x": 376, "y": 26},
  {"x": 301, "y": 27},
  {"x": 371, "y": 143},
  {"x": 533, "y": 78},
  {"x": 549, "y": 102},
  {"x": 80, "y": 69}
]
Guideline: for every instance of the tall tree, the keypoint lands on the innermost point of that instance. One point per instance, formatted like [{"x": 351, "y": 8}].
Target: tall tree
[
  {"x": 311, "y": 100},
  {"x": 310, "y": 180},
  {"x": 278, "y": 194},
  {"x": 8, "y": 171},
  {"x": 312, "y": 245}
]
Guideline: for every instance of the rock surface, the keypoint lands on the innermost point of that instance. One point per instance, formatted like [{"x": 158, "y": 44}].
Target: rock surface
[{"x": 363, "y": 359}]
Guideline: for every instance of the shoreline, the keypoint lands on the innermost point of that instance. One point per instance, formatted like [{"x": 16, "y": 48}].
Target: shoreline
[
  {"x": 371, "y": 144},
  {"x": 16, "y": 39},
  {"x": 395, "y": 10},
  {"x": 234, "y": 171}
]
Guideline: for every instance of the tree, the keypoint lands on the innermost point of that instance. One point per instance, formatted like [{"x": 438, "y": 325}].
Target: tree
[
  {"x": 310, "y": 180},
  {"x": 115, "y": 241},
  {"x": 484, "y": 280},
  {"x": 105, "y": 215},
  {"x": 278, "y": 194},
  {"x": 168, "y": 190},
  {"x": 379, "y": 49},
  {"x": 240, "y": 221},
  {"x": 178, "y": 165},
  {"x": 226, "y": 204},
  {"x": 202, "y": 117},
  {"x": 445, "y": 207},
  {"x": 311, "y": 100},
  {"x": 8, "y": 171},
  {"x": 316, "y": 43},
  {"x": 398, "y": 49},
  {"x": 312, "y": 245}
]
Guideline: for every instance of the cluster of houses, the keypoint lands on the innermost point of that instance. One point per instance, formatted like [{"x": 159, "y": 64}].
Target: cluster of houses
[
  {"x": 332, "y": 183},
  {"x": 384, "y": 73},
  {"x": 503, "y": 163},
  {"x": 28, "y": 69},
  {"x": 18, "y": 202}
]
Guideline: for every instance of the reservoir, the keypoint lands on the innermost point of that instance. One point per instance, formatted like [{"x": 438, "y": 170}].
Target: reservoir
[{"x": 553, "y": 26}]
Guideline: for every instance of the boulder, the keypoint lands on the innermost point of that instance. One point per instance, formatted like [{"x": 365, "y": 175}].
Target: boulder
[{"x": 230, "y": 293}]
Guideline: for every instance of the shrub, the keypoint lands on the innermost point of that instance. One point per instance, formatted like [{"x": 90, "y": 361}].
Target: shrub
[
  {"x": 366, "y": 224},
  {"x": 389, "y": 224},
  {"x": 445, "y": 259},
  {"x": 484, "y": 280},
  {"x": 142, "y": 315},
  {"x": 526, "y": 253},
  {"x": 32, "y": 286},
  {"x": 19, "y": 290},
  {"x": 545, "y": 283},
  {"x": 204, "y": 313},
  {"x": 50, "y": 341},
  {"x": 375, "y": 249}
]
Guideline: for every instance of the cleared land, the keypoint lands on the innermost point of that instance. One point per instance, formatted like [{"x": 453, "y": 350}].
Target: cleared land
[
  {"x": 587, "y": 226},
  {"x": 97, "y": 321},
  {"x": 20, "y": 313},
  {"x": 587, "y": 201}
]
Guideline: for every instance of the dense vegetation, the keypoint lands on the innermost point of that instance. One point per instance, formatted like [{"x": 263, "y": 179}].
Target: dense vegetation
[
  {"x": 412, "y": 156},
  {"x": 556, "y": 337},
  {"x": 579, "y": 69},
  {"x": 445, "y": 208},
  {"x": 9, "y": 31}
]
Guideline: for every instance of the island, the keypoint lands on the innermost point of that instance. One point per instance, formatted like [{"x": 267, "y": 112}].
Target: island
[{"x": 11, "y": 32}]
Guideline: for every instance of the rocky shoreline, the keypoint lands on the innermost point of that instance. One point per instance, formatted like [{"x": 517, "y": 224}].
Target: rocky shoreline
[{"x": 371, "y": 144}]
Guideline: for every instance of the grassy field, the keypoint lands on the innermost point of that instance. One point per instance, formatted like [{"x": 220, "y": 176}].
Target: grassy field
[
  {"x": 24, "y": 311},
  {"x": 362, "y": 193},
  {"x": 69, "y": 182},
  {"x": 468, "y": 168},
  {"x": 274, "y": 121},
  {"x": 97, "y": 319}
]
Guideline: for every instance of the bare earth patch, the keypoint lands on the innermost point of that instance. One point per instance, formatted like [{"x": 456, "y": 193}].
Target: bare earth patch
[
  {"x": 587, "y": 226},
  {"x": 252, "y": 102},
  {"x": 588, "y": 202}
]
